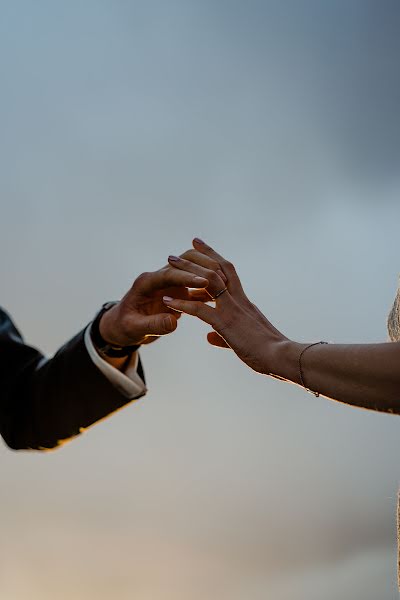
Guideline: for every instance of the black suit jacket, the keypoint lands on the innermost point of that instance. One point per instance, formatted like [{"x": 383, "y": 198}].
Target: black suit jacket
[{"x": 44, "y": 403}]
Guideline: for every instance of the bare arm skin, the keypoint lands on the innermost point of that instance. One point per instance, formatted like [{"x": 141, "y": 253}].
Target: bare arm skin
[{"x": 362, "y": 375}]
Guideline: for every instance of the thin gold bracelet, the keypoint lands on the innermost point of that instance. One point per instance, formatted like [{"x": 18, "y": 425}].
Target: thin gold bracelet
[{"x": 316, "y": 394}]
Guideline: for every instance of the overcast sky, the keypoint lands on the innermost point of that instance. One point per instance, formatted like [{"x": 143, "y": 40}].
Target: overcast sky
[{"x": 270, "y": 129}]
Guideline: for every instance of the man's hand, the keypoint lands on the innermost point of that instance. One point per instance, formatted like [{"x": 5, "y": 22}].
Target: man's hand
[{"x": 141, "y": 316}]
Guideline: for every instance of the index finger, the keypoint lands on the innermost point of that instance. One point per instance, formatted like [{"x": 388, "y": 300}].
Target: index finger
[{"x": 169, "y": 277}]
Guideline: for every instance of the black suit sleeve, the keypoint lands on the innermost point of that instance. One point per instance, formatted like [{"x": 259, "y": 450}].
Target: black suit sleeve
[{"x": 43, "y": 403}]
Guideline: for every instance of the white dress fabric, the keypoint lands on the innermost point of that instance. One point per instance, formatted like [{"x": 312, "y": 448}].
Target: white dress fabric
[{"x": 394, "y": 334}]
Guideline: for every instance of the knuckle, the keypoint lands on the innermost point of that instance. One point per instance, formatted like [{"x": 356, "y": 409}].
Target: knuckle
[
  {"x": 167, "y": 271},
  {"x": 166, "y": 325},
  {"x": 153, "y": 325},
  {"x": 212, "y": 264},
  {"x": 214, "y": 279},
  {"x": 229, "y": 269},
  {"x": 170, "y": 276},
  {"x": 228, "y": 265},
  {"x": 142, "y": 277},
  {"x": 215, "y": 265}
]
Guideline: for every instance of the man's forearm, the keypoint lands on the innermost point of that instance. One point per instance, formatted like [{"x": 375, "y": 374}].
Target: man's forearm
[{"x": 363, "y": 375}]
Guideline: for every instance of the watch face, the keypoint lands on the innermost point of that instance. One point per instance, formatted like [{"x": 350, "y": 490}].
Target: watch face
[
  {"x": 115, "y": 352},
  {"x": 108, "y": 305}
]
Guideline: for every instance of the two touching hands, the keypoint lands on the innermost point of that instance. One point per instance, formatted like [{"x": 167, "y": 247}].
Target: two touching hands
[
  {"x": 188, "y": 284},
  {"x": 364, "y": 375}
]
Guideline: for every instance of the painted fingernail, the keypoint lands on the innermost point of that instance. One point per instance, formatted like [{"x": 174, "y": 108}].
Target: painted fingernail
[
  {"x": 174, "y": 258},
  {"x": 198, "y": 241},
  {"x": 167, "y": 299},
  {"x": 198, "y": 279},
  {"x": 222, "y": 275}
]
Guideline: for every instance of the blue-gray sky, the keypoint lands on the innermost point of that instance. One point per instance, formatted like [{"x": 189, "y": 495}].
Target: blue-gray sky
[{"x": 272, "y": 130}]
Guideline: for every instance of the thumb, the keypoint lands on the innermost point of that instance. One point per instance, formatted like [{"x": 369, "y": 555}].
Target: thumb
[
  {"x": 160, "y": 324},
  {"x": 216, "y": 340}
]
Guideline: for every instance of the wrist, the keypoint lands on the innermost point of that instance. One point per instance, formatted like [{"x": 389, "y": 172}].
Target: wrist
[
  {"x": 284, "y": 360},
  {"x": 107, "y": 333},
  {"x": 109, "y": 327}
]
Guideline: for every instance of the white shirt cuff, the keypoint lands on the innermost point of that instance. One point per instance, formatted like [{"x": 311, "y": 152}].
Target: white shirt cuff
[{"x": 129, "y": 383}]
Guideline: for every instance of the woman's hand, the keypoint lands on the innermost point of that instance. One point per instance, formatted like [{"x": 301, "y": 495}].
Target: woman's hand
[
  {"x": 237, "y": 322},
  {"x": 364, "y": 375},
  {"x": 141, "y": 316}
]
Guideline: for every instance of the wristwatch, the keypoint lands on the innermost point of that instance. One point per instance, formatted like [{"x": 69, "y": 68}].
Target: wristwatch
[{"x": 100, "y": 343}]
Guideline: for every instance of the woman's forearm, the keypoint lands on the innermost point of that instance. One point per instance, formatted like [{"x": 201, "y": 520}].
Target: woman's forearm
[{"x": 363, "y": 375}]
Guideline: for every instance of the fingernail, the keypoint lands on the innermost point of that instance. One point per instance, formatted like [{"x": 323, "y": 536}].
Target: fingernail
[
  {"x": 222, "y": 275},
  {"x": 167, "y": 299},
  {"x": 198, "y": 241},
  {"x": 198, "y": 279},
  {"x": 173, "y": 258}
]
